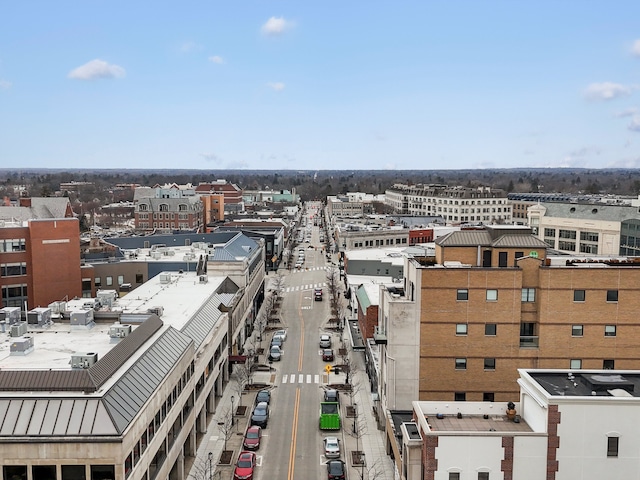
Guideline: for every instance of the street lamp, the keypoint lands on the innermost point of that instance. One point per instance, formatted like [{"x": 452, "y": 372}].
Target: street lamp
[
  {"x": 233, "y": 412},
  {"x": 210, "y": 465}
]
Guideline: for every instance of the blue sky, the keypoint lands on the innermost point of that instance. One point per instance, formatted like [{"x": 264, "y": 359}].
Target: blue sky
[{"x": 319, "y": 85}]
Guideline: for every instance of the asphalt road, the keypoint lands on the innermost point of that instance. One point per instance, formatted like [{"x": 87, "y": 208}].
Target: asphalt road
[{"x": 293, "y": 444}]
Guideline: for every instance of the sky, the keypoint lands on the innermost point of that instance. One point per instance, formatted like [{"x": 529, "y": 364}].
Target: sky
[{"x": 305, "y": 85}]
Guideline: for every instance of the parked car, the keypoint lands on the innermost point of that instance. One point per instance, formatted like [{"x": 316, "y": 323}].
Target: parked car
[
  {"x": 260, "y": 415},
  {"x": 336, "y": 470},
  {"x": 245, "y": 466},
  {"x": 317, "y": 294},
  {"x": 252, "y": 438},
  {"x": 331, "y": 447},
  {"x": 275, "y": 353},
  {"x": 327, "y": 355},
  {"x": 263, "y": 396},
  {"x": 282, "y": 333},
  {"x": 276, "y": 340},
  {"x": 325, "y": 341},
  {"x": 332, "y": 395}
]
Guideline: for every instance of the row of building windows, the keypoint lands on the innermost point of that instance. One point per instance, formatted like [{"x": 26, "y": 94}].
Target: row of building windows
[
  {"x": 490, "y": 364},
  {"x": 491, "y": 330},
  {"x": 66, "y": 472},
  {"x": 13, "y": 269},
  {"x": 163, "y": 207},
  {"x": 529, "y": 295},
  {"x": 14, "y": 295},
  {"x": 9, "y": 245}
]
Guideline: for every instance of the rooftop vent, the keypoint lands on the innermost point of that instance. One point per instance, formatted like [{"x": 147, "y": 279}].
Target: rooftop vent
[
  {"x": 159, "y": 310},
  {"x": 21, "y": 346},
  {"x": 83, "y": 360},
  {"x": 18, "y": 330},
  {"x": 203, "y": 279},
  {"x": 119, "y": 331},
  {"x": 165, "y": 278},
  {"x": 599, "y": 382}
]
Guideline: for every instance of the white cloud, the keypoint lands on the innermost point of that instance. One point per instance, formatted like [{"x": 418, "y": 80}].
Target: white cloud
[
  {"x": 634, "y": 126},
  {"x": 635, "y": 49},
  {"x": 277, "y": 86},
  {"x": 210, "y": 157},
  {"x": 96, "y": 69},
  {"x": 606, "y": 91},
  {"x": 629, "y": 112},
  {"x": 5, "y": 84},
  {"x": 276, "y": 26},
  {"x": 216, "y": 59}
]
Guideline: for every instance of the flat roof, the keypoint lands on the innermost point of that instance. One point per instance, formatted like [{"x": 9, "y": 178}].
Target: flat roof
[
  {"x": 588, "y": 383},
  {"x": 180, "y": 295}
]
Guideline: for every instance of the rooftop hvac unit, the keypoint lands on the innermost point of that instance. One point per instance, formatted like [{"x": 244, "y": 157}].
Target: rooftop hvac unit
[
  {"x": 171, "y": 253},
  {"x": 56, "y": 307},
  {"x": 188, "y": 256},
  {"x": 82, "y": 317},
  {"x": 39, "y": 317},
  {"x": 83, "y": 360},
  {"x": 165, "y": 278},
  {"x": 203, "y": 279},
  {"x": 11, "y": 315},
  {"x": 18, "y": 330},
  {"x": 156, "y": 255},
  {"x": 119, "y": 331},
  {"x": 107, "y": 297},
  {"x": 157, "y": 310},
  {"x": 21, "y": 346}
]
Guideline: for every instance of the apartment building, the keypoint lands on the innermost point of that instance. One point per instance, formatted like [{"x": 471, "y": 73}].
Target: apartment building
[
  {"x": 126, "y": 396},
  {"x": 39, "y": 253},
  {"x": 169, "y": 209},
  {"x": 233, "y": 202},
  {"x": 456, "y": 204},
  {"x": 564, "y": 425}
]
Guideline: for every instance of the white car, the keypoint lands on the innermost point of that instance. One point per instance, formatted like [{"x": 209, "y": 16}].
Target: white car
[
  {"x": 281, "y": 333},
  {"x": 275, "y": 353},
  {"x": 331, "y": 447},
  {"x": 325, "y": 341}
]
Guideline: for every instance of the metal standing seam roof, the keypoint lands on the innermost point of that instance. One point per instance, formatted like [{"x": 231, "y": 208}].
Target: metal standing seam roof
[
  {"x": 363, "y": 298},
  {"x": 515, "y": 241},
  {"x": 465, "y": 238},
  {"x": 591, "y": 211},
  {"x": 203, "y": 322}
]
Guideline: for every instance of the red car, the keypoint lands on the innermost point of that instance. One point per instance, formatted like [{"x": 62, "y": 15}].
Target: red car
[
  {"x": 244, "y": 466},
  {"x": 252, "y": 438},
  {"x": 327, "y": 355}
]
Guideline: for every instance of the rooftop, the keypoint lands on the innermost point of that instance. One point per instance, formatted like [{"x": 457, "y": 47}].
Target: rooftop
[{"x": 585, "y": 383}]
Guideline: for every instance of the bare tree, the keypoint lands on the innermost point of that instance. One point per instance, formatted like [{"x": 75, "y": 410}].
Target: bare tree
[
  {"x": 278, "y": 283},
  {"x": 333, "y": 288},
  {"x": 204, "y": 470},
  {"x": 357, "y": 431},
  {"x": 241, "y": 376},
  {"x": 225, "y": 424}
]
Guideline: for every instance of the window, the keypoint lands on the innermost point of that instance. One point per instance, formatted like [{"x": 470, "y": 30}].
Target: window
[
  {"x": 483, "y": 475},
  {"x": 489, "y": 363},
  {"x": 488, "y": 397},
  {"x": 491, "y": 329},
  {"x": 492, "y": 295},
  {"x": 502, "y": 259},
  {"x": 579, "y": 295},
  {"x": 577, "y": 330},
  {"x": 73, "y": 472},
  {"x": 109, "y": 281},
  {"x": 138, "y": 278},
  {"x": 42, "y": 472},
  {"x": 459, "y": 396},
  {"x": 550, "y": 232},
  {"x": 120, "y": 279},
  {"x": 609, "y": 330},
  {"x": 463, "y": 294},
  {"x": 575, "y": 364},
  {"x": 612, "y": 295},
  {"x": 528, "y": 294},
  {"x": 571, "y": 234},
  {"x": 612, "y": 446},
  {"x": 461, "y": 329},
  {"x": 461, "y": 363},
  {"x": 608, "y": 364},
  {"x": 454, "y": 475},
  {"x": 97, "y": 281}
]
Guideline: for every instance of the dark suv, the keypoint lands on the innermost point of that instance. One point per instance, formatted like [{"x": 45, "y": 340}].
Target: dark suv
[{"x": 336, "y": 470}]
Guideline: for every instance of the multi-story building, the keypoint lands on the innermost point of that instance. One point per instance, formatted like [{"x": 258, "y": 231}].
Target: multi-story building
[
  {"x": 39, "y": 253},
  {"x": 233, "y": 202},
  {"x": 457, "y": 205},
  {"x": 352, "y": 205},
  {"x": 563, "y": 425},
  {"x": 492, "y": 301},
  {"x": 167, "y": 208},
  {"x": 587, "y": 228},
  {"x": 126, "y": 396}
]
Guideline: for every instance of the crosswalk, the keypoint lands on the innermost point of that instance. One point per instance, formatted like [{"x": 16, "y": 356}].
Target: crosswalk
[
  {"x": 311, "y": 286},
  {"x": 300, "y": 378},
  {"x": 309, "y": 269}
]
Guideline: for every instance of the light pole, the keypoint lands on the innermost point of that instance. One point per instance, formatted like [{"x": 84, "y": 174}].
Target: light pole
[
  {"x": 233, "y": 419},
  {"x": 210, "y": 465}
]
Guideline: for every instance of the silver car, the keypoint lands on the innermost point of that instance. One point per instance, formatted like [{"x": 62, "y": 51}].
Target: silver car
[
  {"x": 331, "y": 447},
  {"x": 275, "y": 353}
]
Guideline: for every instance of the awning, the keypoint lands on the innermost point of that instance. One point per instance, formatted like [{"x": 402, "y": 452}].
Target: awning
[{"x": 237, "y": 358}]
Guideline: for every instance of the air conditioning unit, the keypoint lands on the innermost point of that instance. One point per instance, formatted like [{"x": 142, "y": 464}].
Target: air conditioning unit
[
  {"x": 379, "y": 336},
  {"x": 119, "y": 331},
  {"x": 39, "y": 317},
  {"x": 159, "y": 310},
  {"x": 21, "y": 346},
  {"x": 81, "y": 317},
  {"x": 165, "y": 278},
  {"x": 203, "y": 279},
  {"x": 83, "y": 360},
  {"x": 10, "y": 314},
  {"x": 18, "y": 330}
]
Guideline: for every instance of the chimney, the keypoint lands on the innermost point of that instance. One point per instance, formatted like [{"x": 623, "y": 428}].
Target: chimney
[{"x": 25, "y": 202}]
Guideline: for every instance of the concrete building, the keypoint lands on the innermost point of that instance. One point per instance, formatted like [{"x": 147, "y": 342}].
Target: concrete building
[
  {"x": 352, "y": 205},
  {"x": 587, "y": 229},
  {"x": 126, "y": 396},
  {"x": 567, "y": 425},
  {"x": 457, "y": 205},
  {"x": 39, "y": 253}
]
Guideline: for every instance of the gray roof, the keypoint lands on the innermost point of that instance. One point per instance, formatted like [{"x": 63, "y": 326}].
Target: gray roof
[
  {"x": 473, "y": 238},
  {"x": 614, "y": 213},
  {"x": 41, "y": 208}
]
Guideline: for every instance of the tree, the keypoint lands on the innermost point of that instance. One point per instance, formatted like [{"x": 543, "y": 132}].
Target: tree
[
  {"x": 333, "y": 289},
  {"x": 225, "y": 424},
  {"x": 241, "y": 375}
]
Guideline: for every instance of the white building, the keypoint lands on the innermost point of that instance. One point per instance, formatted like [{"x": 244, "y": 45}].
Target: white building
[{"x": 567, "y": 425}]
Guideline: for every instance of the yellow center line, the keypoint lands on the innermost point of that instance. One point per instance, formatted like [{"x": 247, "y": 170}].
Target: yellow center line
[{"x": 294, "y": 435}]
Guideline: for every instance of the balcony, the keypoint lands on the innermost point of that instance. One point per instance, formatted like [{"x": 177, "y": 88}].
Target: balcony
[{"x": 529, "y": 341}]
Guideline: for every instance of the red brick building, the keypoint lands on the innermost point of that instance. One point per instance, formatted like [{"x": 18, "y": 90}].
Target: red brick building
[{"x": 233, "y": 201}]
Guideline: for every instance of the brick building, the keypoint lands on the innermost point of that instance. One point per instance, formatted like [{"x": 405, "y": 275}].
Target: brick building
[
  {"x": 233, "y": 201},
  {"x": 39, "y": 253}
]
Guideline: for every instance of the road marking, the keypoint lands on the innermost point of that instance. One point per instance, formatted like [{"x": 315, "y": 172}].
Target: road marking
[
  {"x": 308, "y": 378},
  {"x": 259, "y": 460},
  {"x": 316, "y": 379},
  {"x": 301, "y": 378},
  {"x": 284, "y": 378},
  {"x": 294, "y": 434}
]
